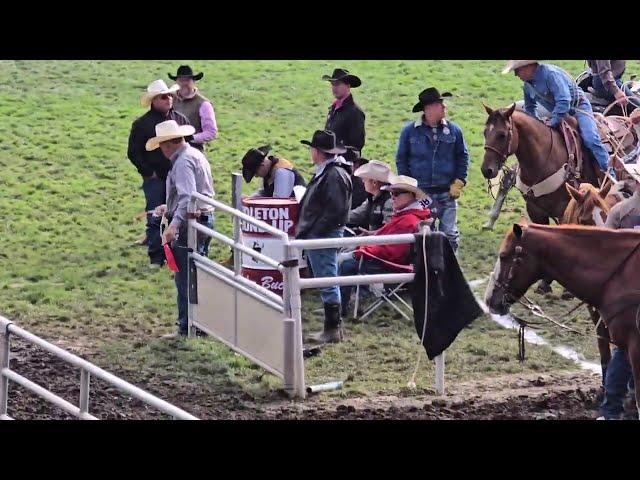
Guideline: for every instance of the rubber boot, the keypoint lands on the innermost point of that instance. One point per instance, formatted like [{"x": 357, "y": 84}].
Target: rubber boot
[{"x": 332, "y": 331}]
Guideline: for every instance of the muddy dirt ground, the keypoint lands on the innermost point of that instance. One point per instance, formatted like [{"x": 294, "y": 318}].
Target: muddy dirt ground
[{"x": 563, "y": 395}]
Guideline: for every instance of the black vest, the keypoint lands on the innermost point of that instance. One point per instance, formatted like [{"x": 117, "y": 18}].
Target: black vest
[{"x": 268, "y": 189}]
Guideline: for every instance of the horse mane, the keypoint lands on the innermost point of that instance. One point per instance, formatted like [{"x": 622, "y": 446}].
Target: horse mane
[{"x": 591, "y": 199}]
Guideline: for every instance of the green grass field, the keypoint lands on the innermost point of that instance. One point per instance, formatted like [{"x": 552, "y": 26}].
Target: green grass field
[{"x": 69, "y": 195}]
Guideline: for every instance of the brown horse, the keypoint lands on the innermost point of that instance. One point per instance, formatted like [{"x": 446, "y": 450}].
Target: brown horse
[
  {"x": 541, "y": 153},
  {"x": 600, "y": 266}
]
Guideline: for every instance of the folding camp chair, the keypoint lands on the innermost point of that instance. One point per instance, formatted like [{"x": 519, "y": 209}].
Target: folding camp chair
[{"x": 386, "y": 293}]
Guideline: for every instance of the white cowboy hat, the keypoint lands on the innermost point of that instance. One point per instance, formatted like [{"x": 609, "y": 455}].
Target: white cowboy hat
[
  {"x": 633, "y": 169},
  {"x": 515, "y": 64},
  {"x": 167, "y": 131},
  {"x": 374, "y": 170},
  {"x": 404, "y": 184},
  {"x": 154, "y": 89}
]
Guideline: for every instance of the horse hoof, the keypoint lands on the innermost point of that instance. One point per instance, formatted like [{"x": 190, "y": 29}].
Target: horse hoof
[
  {"x": 487, "y": 226},
  {"x": 543, "y": 289}
]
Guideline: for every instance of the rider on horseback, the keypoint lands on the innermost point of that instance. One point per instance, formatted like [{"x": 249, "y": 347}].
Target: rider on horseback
[
  {"x": 551, "y": 87},
  {"x": 606, "y": 81}
]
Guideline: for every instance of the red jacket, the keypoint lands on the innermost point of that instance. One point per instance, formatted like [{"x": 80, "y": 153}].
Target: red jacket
[{"x": 405, "y": 221}]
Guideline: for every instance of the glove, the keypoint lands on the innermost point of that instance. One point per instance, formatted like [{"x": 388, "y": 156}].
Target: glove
[{"x": 456, "y": 188}]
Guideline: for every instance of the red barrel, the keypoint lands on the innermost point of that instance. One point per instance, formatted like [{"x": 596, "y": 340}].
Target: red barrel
[{"x": 281, "y": 213}]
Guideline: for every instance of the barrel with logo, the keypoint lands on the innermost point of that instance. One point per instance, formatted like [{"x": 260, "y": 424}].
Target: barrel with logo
[{"x": 281, "y": 213}]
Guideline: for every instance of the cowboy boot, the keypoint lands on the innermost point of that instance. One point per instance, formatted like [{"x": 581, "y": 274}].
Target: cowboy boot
[{"x": 332, "y": 331}]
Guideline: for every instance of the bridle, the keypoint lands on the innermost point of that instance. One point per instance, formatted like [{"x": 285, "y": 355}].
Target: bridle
[
  {"x": 503, "y": 154},
  {"x": 509, "y": 297}
]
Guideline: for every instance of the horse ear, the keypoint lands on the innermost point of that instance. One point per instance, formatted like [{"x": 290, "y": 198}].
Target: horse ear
[
  {"x": 509, "y": 112},
  {"x": 575, "y": 194},
  {"x": 604, "y": 190},
  {"x": 487, "y": 109},
  {"x": 517, "y": 230}
]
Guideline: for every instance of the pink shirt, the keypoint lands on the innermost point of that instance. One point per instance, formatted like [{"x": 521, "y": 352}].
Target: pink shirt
[{"x": 208, "y": 123}]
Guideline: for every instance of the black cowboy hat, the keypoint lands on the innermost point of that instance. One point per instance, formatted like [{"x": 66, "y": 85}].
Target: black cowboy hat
[
  {"x": 343, "y": 76},
  {"x": 325, "y": 141},
  {"x": 185, "y": 71},
  {"x": 252, "y": 160},
  {"x": 429, "y": 96}
]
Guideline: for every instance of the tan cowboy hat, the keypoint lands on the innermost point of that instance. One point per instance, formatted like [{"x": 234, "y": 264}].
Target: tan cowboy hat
[
  {"x": 404, "y": 184},
  {"x": 154, "y": 89},
  {"x": 515, "y": 64},
  {"x": 633, "y": 169},
  {"x": 374, "y": 170},
  {"x": 168, "y": 131}
]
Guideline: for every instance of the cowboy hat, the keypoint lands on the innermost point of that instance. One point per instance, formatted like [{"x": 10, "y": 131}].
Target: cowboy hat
[
  {"x": 404, "y": 184},
  {"x": 374, "y": 170},
  {"x": 325, "y": 141},
  {"x": 168, "y": 131},
  {"x": 516, "y": 64},
  {"x": 633, "y": 169},
  {"x": 154, "y": 89},
  {"x": 252, "y": 160},
  {"x": 185, "y": 71},
  {"x": 342, "y": 75},
  {"x": 429, "y": 96}
]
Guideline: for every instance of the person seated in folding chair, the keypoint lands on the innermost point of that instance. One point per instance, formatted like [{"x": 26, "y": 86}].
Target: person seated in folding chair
[
  {"x": 377, "y": 209},
  {"x": 408, "y": 212}
]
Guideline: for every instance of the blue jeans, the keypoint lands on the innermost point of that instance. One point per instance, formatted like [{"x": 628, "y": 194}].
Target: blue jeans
[
  {"x": 352, "y": 267},
  {"x": 601, "y": 92},
  {"x": 446, "y": 209},
  {"x": 590, "y": 136},
  {"x": 324, "y": 263},
  {"x": 181, "y": 254},
  {"x": 154, "y": 194},
  {"x": 618, "y": 380}
]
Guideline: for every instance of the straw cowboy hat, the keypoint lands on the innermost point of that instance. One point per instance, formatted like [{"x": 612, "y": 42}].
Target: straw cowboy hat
[
  {"x": 515, "y": 64},
  {"x": 374, "y": 170},
  {"x": 325, "y": 141},
  {"x": 154, "y": 89},
  {"x": 404, "y": 184},
  {"x": 168, "y": 131}
]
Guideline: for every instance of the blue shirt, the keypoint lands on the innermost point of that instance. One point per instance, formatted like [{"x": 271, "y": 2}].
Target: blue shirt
[
  {"x": 434, "y": 156},
  {"x": 555, "y": 90}
]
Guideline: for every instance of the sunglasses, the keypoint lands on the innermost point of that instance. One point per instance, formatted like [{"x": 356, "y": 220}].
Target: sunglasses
[
  {"x": 397, "y": 194},
  {"x": 165, "y": 96}
]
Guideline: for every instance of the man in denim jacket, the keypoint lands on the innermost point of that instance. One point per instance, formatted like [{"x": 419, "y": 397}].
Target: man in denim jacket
[{"x": 433, "y": 151}]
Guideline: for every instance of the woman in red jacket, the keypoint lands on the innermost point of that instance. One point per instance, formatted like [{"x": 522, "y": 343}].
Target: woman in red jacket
[{"x": 408, "y": 212}]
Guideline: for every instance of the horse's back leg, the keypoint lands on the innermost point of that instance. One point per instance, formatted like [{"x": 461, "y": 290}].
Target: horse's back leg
[{"x": 604, "y": 346}]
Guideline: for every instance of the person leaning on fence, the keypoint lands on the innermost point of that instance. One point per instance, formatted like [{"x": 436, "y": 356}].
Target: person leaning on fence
[
  {"x": 554, "y": 89},
  {"x": 408, "y": 212},
  {"x": 190, "y": 173},
  {"x": 153, "y": 166},
  {"x": 377, "y": 209},
  {"x": 278, "y": 174},
  {"x": 323, "y": 214},
  {"x": 433, "y": 151},
  {"x": 196, "y": 107}
]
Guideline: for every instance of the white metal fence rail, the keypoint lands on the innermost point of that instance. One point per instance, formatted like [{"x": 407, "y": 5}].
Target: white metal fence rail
[
  {"x": 7, "y": 328},
  {"x": 293, "y": 284}
]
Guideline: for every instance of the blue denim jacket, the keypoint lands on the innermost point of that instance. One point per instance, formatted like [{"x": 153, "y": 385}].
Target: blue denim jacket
[
  {"x": 554, "y": 90},
  {"x": 435, "y": 163}
]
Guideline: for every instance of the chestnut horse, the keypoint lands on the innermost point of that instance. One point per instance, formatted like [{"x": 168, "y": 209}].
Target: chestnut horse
[{"x": 598, "y": 265}]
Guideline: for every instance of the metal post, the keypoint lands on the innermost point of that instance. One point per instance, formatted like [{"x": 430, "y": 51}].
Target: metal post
[
  {"x": 85, "y": 377},
  {"x": 294, "y": 303},
  {"x": 192, "y": 244},
  {"x": 4, "y": 363},
  {"x": 440, "y": 374},
  {"x": 236, "y": 198}
]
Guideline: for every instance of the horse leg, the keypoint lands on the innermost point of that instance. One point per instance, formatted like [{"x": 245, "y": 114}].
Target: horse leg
[
  {"x": 537, "y": 216},
  {"x": 603, "y": 341},
  {"x": 633, "y": 351}
]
